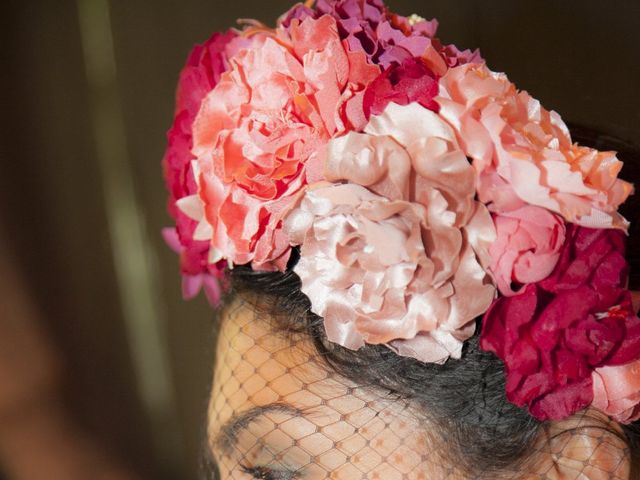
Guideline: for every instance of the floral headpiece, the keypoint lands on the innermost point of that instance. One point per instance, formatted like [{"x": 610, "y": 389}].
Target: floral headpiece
[{"x": 423, "y": 191}]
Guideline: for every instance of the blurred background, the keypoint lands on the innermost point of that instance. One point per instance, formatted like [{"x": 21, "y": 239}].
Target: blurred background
[{"x": 104, "y": 370}]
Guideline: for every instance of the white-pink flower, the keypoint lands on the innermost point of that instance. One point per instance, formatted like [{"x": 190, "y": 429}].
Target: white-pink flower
[{"x": 390, "y": 252}]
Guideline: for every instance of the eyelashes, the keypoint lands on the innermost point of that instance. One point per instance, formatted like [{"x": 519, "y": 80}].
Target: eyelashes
[{"x": 266, "y": 473}]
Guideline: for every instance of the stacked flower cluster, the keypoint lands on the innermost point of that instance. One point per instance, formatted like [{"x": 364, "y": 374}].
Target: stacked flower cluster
[{"x": 423, "y": 191}]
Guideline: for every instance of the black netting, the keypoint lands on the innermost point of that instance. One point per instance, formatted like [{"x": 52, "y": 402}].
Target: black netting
[{"x": 277, "y": 412}]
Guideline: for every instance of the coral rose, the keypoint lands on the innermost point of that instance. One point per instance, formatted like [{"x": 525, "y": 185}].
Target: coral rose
[
  {"x": 524, "y": 154},
  {"x": 527, "y": 247},
  {"x": 554, "y": 334},
  {"x": 392, "y": 256},
  {"x": 259, "y": 130}
]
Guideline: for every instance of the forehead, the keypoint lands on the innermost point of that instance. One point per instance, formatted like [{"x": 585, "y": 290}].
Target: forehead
[
  {"x": 344, "y": 429},
  {"x": 257, "y": 366}
]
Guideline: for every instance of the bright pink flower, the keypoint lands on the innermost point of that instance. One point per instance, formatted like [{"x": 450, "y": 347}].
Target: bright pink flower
[
  {"x": 524, "y": 154},
  {"x": 411, "y": 81},
  {"x": 200, "y": 74},
  {"x": 198, "y": 276},
  {"x": 527, "y": 248},
  {"x": 554, "y": 334},
  {"x": 394, "y": 256},
  {"x": 259, "y": 131}
]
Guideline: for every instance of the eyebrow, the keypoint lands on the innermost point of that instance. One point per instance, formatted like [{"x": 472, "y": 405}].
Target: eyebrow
[{"x": 227, "y": 437}]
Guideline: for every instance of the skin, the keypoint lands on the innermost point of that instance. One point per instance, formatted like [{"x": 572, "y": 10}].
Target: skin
[{"x": 277, "y": 413}]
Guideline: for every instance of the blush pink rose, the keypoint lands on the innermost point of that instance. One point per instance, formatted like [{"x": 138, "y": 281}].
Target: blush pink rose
[
  {"x": 524, "y": 153},
  {"x": 616, "y": 391},
  {"x": 257, "y": 135},
  {"x": 527, "y": 248},
  {"x": 394, "y": 256}
]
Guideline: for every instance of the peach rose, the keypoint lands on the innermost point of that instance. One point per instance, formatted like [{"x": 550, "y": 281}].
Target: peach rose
[
  {"x": 258, "y": 132},
  {"x": 616, "y": 391},
  {"x": 392, "y": 256},
  {"x": 524, "y": 153}
]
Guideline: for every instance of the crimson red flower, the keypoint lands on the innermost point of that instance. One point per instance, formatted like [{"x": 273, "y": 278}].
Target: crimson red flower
[
  {"x": 409, "y": 82},
  {"x": 555, "y": 333}
]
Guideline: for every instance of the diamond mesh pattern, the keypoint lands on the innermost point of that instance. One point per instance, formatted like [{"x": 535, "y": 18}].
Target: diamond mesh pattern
[{"x": 312, "y": 423}]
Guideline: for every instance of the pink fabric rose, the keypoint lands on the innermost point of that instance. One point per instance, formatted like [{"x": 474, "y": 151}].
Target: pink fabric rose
[
  {"x": 524, "y": 154},
  {"x": 527, "y": 247},
  {"x": 392, "y": 256},
  {"x": 557, "y": 332},
  {"x": 616, "y": 391},
  {"x": 201, "y": 73},
  {"x": 259, "y": 130}
]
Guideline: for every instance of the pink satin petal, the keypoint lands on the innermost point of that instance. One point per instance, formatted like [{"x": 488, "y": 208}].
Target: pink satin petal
[
  {"x": 170, "y": 236},
  {"x": 617, "y": 391},
  {"x": 393, "y": 255},
  {"x": 378, "y": 163},
  {"x": 191, "y": 285},
  {"x": 527, "y": 248},
  {"x": 212, "y": 290},
  {"x": 429, "y": 347}
]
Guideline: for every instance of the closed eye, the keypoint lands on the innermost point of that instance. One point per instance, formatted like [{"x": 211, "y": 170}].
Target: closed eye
[{"x": 266, "y": 473}]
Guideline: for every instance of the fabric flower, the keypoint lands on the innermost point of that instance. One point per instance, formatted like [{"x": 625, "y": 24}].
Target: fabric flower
[
  {"x": 616, "y": 391},
  {"x": 524, "y": 154},
  {"x": 392, "y": 256},
  {"x": 195, "y": 275},
  {"x": 201, "y": 73},
  {"x": 411, "y": 81},
  {"x": 259, "y": 130},
  {"x": 527, "y": 247},
  {"x": 555, "y": 333},
  {"x": 367, "y": 26}
]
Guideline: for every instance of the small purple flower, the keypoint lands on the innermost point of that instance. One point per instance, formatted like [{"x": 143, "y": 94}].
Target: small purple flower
[{"x": 387, "y": 39}]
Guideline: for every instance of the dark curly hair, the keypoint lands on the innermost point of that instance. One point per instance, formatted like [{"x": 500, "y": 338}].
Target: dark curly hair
[{"x": 465, "y": 398}]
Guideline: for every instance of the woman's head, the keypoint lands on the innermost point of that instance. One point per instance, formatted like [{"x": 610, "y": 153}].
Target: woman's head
[
  {"x": 287, "y": 403},
  {"x": 373, "y": 193}
]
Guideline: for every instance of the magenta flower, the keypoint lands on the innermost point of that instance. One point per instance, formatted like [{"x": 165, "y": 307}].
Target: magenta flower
[
  {"x": 205, "y": 277},
  {"x": 386, "y": 38},
  {"x": 557, "y": 332},
  {"x": 405, "y": 83}
]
